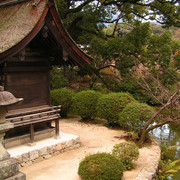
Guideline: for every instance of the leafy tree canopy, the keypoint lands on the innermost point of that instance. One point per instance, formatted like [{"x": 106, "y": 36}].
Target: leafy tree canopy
[
  {"x": 139, "y": 45},
  {"x": 85, "y": 19},
  {"x": 141, "y": 55},
  {"x": 150, "y": 59}
]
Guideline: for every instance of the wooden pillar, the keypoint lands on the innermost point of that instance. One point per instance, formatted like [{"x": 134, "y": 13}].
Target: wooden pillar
[
  {"x": 31, "y": 133},
  {"x": 57, "y": 127}
]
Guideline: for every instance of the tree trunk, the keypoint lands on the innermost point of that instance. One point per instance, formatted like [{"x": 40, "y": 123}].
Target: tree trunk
[{"x": 142, "y": 137}]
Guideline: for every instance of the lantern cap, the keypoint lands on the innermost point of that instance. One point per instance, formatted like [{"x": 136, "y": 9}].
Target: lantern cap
[{"x": 7, "y": 98}]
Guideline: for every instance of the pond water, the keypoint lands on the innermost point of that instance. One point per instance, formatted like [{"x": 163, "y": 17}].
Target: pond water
[{"x": 169, "y": 135}]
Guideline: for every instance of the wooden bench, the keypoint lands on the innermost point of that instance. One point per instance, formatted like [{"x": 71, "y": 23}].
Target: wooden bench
[{"x": 34, "y": 116}]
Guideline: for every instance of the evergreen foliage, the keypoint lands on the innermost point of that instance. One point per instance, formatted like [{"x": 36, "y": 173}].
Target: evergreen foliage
[
  {"x": 126, "y": 152},
  {"x": 134, "y": 116},
  {"x": 167, "y": 169},
  {"x": 57, "y": 79},
  {"x": 62, "y": 97},
  {"x": 177, "y": 61},
  {"x": 84, "y": 104},
  {"x": 102, "y": 166},
  {"x": 129, "y": 84},
  {"x": 100, "y": 88},
  {"x": 110, "y": 105},
  {"x": 150, "y": 58},
  {"x": 168, "y": 166},
  {"x": 86, "y": 19}
]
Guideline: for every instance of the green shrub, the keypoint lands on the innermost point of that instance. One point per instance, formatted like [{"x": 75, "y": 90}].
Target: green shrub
[
  {"x": 57, "y": 79},
  {"x": 100, "y": 88},
  {"x": 126, "y": 152},
  {"x": 167, "y": 169},
  {"x": 110, "y": 105},
  {"x": 84, "y": 104},
  {"x": 62, "y": 97},
  {"x": 100, "y": 166},
  {"x": 134, "y": 116}
]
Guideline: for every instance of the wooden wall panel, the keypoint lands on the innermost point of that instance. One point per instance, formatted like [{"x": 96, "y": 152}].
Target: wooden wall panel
[{"x": 32, "y": 86}]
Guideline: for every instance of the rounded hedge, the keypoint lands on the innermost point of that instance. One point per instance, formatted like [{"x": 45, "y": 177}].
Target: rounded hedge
[
  {"x": 84, "y": 103},
  {"x": 100, "y": 166},
  {"x": 126, "y": 152},
  {"x": 134, "y": 116},
  {"x": 62, "y": 97},
  {"x": 110, "y": 105}
]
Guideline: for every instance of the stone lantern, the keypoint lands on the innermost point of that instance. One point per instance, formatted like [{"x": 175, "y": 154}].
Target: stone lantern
[{"x": 9, "y": 168}]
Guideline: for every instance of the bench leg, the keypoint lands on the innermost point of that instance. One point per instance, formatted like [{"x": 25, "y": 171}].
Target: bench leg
[
  {"x": 32, "y": 133},
  {"x": 57, "y": 127}
]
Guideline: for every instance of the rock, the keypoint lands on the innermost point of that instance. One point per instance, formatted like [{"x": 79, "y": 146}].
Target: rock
[
  {"x": 51, "y": 149},
  {"x": 69, "y": 143},
  {"x": 19, "y": 159},
  {"x": 39, "y": 159},
  {"x": 77, "y": 145},
  {"x": 25, "y": 164},
  {"x": 43, "y": 151},
  {"x": 60, "y": 146},
  {"x": 33, "y": 154},
  {"x": 47, "y": 156},
  {"x": 56, "y": 153},
  {"x": 18, "y": 176},
  {"x": 25, "y": 157},
  {"x": 8, "y": 168}
]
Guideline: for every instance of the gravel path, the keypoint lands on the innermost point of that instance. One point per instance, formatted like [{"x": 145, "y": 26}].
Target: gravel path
[{"x": 94, "y": 138}]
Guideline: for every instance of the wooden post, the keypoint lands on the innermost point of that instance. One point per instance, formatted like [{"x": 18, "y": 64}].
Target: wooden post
[
  {"x": 31, "y": 133},
  {"x": 57, "y": 127}
]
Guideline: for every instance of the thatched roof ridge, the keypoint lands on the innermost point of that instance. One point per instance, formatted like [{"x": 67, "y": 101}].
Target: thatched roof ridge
[
  {"x": 20, "y": 22},
  {"x": 5, "y": 3},
  {"x": 15, "y": 23}
]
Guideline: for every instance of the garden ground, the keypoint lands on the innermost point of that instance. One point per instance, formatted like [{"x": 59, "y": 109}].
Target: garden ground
[{"x": 94, "y": 138}]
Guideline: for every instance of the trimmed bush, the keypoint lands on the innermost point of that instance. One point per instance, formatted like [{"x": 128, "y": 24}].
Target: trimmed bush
[
  {"x": 126, "y": 152},
  {"x": 134, "y": 116},
  {"x": 62, "y": 97},
  {"x": 57, "y": 79},
  {"x": 100, "y": 166},
  {"x": 84, "y": 104},
  {"x": 110, "y": 105}
]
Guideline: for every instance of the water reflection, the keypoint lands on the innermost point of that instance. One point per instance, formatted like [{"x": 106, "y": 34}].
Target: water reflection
[{"x": 170, "y": 136}]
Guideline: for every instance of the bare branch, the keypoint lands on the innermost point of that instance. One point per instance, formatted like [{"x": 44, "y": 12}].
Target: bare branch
[
  {"x": 107, "y": 67},
  {"x": 146, "y": 88},
  {"x": 116, "y": 24},
  {"x": 171, "y": 100},
  {"x": 169, "y": 120},
  {"x": 79, "y": 8}
]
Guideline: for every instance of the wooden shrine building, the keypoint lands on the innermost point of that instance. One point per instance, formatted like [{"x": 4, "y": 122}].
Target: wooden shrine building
[{"x": 32, "y": 40}]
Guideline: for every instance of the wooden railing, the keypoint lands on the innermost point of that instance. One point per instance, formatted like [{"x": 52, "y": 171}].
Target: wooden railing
[{"x": 32, "y": 117}]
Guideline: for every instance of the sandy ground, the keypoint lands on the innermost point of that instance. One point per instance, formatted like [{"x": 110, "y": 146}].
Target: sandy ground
[{"x": 94, "y": 138}]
